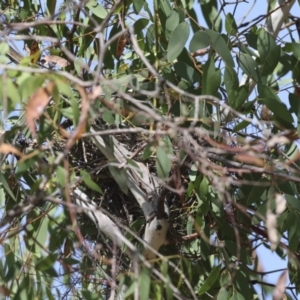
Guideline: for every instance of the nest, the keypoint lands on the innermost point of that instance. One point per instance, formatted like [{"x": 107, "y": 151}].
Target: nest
[{"x": 123, "y": 207}]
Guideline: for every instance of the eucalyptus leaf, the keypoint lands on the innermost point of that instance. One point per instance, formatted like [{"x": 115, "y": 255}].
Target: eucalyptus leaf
[
  {"x": 163, "y": 162},
  {"x": 249, "y": 66},
  {"x": 177, "y": 41},
  {"x": 209, "y": 282},
  {"x": 200, "y": 40},
  {"x": 220, "y": 46},
  {"x": 138, "y": 5},
  {"x": 120, "y": 177},
  {"x": 265, "y": 44},
  {"x": 97, "y": 9},
  {"x": 230, "y": 25}
]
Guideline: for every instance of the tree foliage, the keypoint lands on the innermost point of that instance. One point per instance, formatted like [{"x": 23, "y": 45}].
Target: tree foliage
[{"x": 148, "y": 149}]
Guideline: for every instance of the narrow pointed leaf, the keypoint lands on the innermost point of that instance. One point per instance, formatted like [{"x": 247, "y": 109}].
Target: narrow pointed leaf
[
  {"x": 220, "y": 46},
  {"x": 213, "y": 276}
]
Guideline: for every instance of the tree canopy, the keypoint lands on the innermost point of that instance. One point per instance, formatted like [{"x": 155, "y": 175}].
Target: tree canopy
[{"x": 148, "y": 149}]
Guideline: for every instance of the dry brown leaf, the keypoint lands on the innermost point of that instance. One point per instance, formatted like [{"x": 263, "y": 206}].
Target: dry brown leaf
[
  {"x": 281, "y": 140},
  {"x": 61, "y": 62},
  {"x": 279, "y": 290},
  {"x": 36, "y": 105},
  {"x": 297, "y": 91},
  {"x": 256, "y": 261},
  {"x": 34, "y": 51},
  {"x": 7, "y": 149},
  {"x": 67, "y": 248},
  {"x": 250, "y": 159},
  {"x": 4, "y": 291},
  {"x": 80, "y": 128},
  {"x": 122, "y": 41},
  {"x": 265, "y": 113},
  {"x": 96, "y": 92},
  {"x": 271, "y": 224},
  {"x": 280, "y": 204}
]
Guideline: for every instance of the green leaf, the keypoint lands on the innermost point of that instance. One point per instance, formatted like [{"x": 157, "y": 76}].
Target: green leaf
[
  {"x": 24, "y": 291},
  {"x": 231, "y": 80},
  {"x": 2, "y": 195},
  {"x": 293, "y": 232},
  {"x": 42, "y": 234},
  {"x": 171, "y": 23},
  {"x": 75, "y": 111},
  {"x": 223, "y": 294},
  {"x": 237, "y": 296},
  {"x": 265, "y": 43},
  {"x": 163, "y": 162},
  {"x": 257, "y": 191},
  {"x": 130, "y": 290},
  {"x": 203, "y": 188},
  {"x": 87, "y": 179},
  {"x": 188, "y": 4},
  {"x": 210, "y": 12},
  {"x": 186, "y": 72},
  {"x": 271, "y": 61},
  {"x": 177, "y": 41},
  {"x": 211, "y": 78},
  {"x": 47, "y": 262},
  {"x": 244, "y": 255},
  {"x": 61, "y": 176},
  {"x": 67, "y": 112},
  {"x": 149, "y": 149},
  {"x": 108, "y": 116},
  {"x": 120, "y": 177},
  {"x": 97, "y": 9},
  {"x": 51, "y": 4},
  {"x": 9, "y": 263},
  {"x": 24, "y": 166},
  {"x": 293, "y": 203},
  {"x": 213, "y": 276},
  {"x": 237, "y": 95},
  {"x": 150, "y": 37},
  {"x": 148, "y": 10},
  {"x": 71, "y": 261},
  {"x": 295, "y": 49},
  {"x": 88, "y": 295},
  {"x": 140, "y": 24},
  {"x": 241, "y": 97},
  {"x": 138, "y": 5},
  {"x": 193, "y": 15},
  {"x": 5, "y": 185},
  {"x": 165, "y": 7},
  {"x": 242, "y": 125},
  {"x": 63, "y": 87},
  {"x": 30, "y": 85},
  {"x": 4, "y": 48},
  {"x": 251, "y": 39},
  {"x": 294, "y": 103},
  {"x": 267, "y": 92},
  {"x": 230, "y": 24},
  {"x": 190, "y": 225},
  {"x": 249, "y": 66},
  {"x": 220, "y": 46},
  {"x": 200, "y": 40},
  {"x": 144, "y": 283}
]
